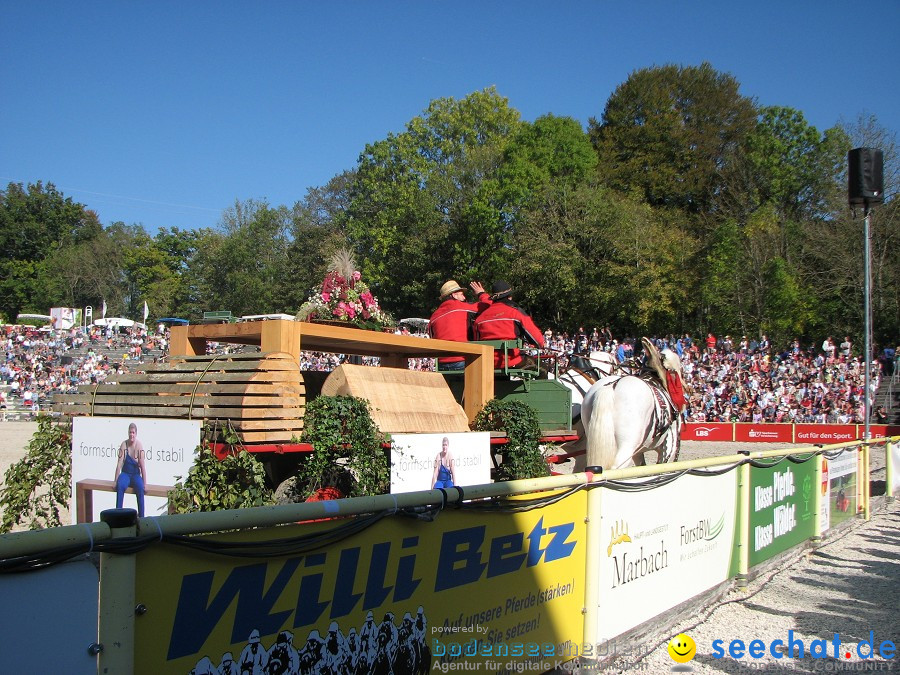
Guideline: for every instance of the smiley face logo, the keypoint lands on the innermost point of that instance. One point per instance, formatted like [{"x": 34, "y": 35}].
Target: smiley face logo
[{"x": 682, "y": 648}]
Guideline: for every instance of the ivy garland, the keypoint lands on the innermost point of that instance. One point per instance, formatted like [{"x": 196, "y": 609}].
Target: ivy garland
[
  {"x": 348, "y": 452},
  {"x": 37, "y": 486},
  {"x": 522, "y": 456},
  {"x": 236, "y": 482}
]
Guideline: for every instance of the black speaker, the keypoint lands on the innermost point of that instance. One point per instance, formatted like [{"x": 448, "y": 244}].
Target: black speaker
[{"x": 865, "y": 176}]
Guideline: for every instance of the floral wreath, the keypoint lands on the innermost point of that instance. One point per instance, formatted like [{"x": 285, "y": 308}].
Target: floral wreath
[{"x": 343, "y": 296}]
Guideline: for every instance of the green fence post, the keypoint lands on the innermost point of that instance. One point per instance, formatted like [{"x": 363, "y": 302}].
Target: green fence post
[
  {"x": 115, "y": 624},
  {"x": 743, "y": 525}
]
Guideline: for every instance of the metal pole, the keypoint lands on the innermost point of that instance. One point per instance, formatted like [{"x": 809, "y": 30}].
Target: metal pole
[{"x": 868, "y": 324}]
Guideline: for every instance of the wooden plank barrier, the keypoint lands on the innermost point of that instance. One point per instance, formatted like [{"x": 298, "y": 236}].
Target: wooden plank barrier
[
  {"x": 403, "y": 401},
  {"x": 84, "y": 494},
  {"x": 260, "y": 395}
]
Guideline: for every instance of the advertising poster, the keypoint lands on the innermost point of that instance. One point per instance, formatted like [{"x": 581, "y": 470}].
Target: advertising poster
[
  {"x": 138, "y": 459},
  {"x": 825, "y": 433},
  {"x": 839, "y": 483},
  {"x": 894, "y": 456},
  {"x": 663, "y": 546},
  {"x": 707, "y": 431},
  {"x": 470, "y": 589},
  {"x": 48, "y": 616},
  {"x": 64, "y": 318},
  {"x": 764, "y": 433},
  {"x": 427, "y": 461},
  {"x": 782, "y": 508}
]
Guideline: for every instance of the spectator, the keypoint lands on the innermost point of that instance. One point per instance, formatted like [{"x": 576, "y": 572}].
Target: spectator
[
  {"x": 453, "y": 319},
  {"x": 505, "y": 320}
]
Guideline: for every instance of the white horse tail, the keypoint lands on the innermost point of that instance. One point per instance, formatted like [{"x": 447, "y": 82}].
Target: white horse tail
[{"x": 601, "y": 431}]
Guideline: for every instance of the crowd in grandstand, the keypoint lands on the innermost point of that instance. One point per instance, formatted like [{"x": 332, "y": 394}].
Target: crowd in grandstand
[{"x": 729, "y": 380}]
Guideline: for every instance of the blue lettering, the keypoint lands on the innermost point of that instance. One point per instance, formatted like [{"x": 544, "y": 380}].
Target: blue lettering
[
  {"x": 717, "y": 652},
  {"x": 558, "y": 547},
  {"x": 196, "y": 617},
  {"x": 502, "y": 561},
  {"x": 460, "y": 546},
  {"x": 887, "y": 649},
  {"x": 776, "y": 652},
  {"x": 406, "y": 584},
  {"x": 437, "y": 648},
  {"x": 344, "y": 598},
  {"x": 736, "y": 649},
  {"x": 757, "y": 648},
  {"x": 309, "y": 609},
  {"x": 870, "y": 643},
  {"x": 534, "y": 543},
  {"x": 376, "y": 591},
  {"x": 794, "y": 643}
]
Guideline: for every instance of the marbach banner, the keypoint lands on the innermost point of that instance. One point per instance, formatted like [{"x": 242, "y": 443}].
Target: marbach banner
[
  {"x": 764, "y": 433},
  {"x": 707, "y": 431}
]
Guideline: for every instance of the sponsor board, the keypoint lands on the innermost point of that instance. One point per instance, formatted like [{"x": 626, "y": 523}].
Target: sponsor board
[
  {"x": 782, "y": 501},
  {"x": 662, "y": 547},
  {"x": 764, "y": 433},
  {"x": 707, "y": 432},
  {"x": 894, "y": 457},
  {"x": 839, "y": 488},
  {"x": 168, "y": 448},
  {"x": 49, "y": 617},
  {"x": 416, "y": 460},
  {"x": 825, "y": 433},
  {"x": 461, "y": 588}
]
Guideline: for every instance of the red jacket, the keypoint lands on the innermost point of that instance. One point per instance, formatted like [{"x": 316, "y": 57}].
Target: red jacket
[
  {"x": 506, "y": 321},
  {"x": 452, "y": 320}
]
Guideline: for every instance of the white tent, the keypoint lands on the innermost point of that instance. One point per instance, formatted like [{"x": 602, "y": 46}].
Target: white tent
[{"x": 119, "y": 322}]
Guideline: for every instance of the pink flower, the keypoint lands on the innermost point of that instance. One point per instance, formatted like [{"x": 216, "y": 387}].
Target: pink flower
[
  {"x": 357, "y": 276},
  {"x": 351, "y": 311},
  {"x": 326, "y": 296},
  {"x": 367, "y": 299}
]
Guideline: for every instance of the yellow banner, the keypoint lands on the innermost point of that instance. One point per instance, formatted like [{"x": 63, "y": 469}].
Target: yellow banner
[{"x": 471, "y": 589}]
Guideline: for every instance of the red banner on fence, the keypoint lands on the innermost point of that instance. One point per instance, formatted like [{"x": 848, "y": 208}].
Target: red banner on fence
[
  {"x": 764, "y": 433},
  {"x": 711, "y": 431},
  {"x": 825, "y": 433},
  {"x": 878, "y": 430}
]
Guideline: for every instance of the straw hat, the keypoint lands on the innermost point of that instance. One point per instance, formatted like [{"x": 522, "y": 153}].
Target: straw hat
[{"x": 450, "y": 287}]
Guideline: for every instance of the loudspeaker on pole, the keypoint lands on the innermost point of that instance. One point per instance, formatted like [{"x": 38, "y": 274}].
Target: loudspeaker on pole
[{"x": 865, "y": 176}]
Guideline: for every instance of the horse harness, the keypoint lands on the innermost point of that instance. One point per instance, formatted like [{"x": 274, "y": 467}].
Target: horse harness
[{"x": 665, "y": 415}]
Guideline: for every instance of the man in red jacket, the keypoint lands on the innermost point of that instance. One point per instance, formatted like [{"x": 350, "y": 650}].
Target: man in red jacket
[
  {"x": 452, "y": 320},
  {"x": 505, "y": 320}
]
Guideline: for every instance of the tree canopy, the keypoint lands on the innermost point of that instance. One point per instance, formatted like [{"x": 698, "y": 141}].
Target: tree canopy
[{"x": 684, "y": 206}]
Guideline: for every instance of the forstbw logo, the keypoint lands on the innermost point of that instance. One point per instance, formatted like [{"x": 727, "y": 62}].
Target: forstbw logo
[{"x": 796, "y": 648}]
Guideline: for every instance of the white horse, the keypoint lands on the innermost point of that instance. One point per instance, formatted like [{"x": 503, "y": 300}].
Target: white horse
[
  {"x": 583, "y": 372},
  {"x": 625, "y": 416}
]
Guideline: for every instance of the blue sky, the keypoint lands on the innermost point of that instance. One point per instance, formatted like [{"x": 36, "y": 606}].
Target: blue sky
[{"x": 164, "y": 113}]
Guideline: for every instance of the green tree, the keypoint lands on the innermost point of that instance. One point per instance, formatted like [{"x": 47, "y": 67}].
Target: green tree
[
  {"x": 316, "y": 234},
  {"x": 243, "y": 268},
  {"x": 671, "y": 131},
  {"x": 36, "y": 222},
  {"x": 425, "y": 203}
]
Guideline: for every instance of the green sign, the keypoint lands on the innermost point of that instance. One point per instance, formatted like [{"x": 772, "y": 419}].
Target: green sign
[{"x": 782, "y": 508}]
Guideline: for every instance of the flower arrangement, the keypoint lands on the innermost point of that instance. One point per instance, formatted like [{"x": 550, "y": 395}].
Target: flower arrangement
[{"x": 343, "y": 296}]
